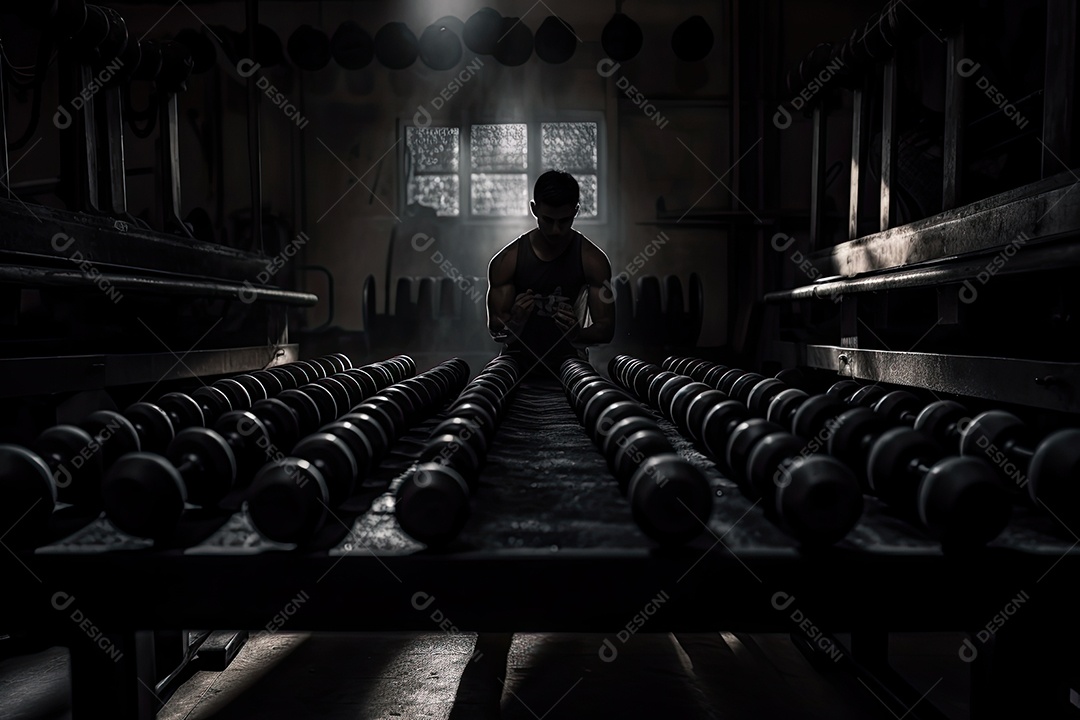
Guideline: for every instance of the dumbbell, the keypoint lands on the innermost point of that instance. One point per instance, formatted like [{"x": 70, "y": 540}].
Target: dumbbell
[
  {"x": 61, "y": 456},
  {"x": 145, "y": 493},
  {"x": 432, "y": 503},
  {"x": 891, "y": 464},
  {"x": 960, "y": 499},
  {"x": 76, "y": 457},
  {"x": 1045, "y": 470},
  {"x": 289, "y": 497},
  {"x": 670, "y": 497}
]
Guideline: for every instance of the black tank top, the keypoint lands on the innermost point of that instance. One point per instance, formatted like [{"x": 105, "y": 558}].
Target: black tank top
[{"x": 559, "y": 280}]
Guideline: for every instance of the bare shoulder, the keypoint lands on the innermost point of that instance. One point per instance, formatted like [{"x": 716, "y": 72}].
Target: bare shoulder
[
  {"x": 595, "y": 260},
  {"x": 501, "y": 267}
]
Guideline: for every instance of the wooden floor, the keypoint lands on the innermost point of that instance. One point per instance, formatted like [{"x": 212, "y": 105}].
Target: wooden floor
[{"x": 400, "y": 676}]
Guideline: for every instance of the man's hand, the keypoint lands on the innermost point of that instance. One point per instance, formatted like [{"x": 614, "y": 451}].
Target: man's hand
[
  {"x": 520, "y": 312},
  {"x": 567, "y": 321}
]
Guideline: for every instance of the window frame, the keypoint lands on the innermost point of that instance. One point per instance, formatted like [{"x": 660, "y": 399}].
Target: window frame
[{"x": 533, "y": 133}]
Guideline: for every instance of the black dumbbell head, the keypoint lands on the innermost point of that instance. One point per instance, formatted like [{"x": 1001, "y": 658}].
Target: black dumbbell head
[
  {"x": 114, "y": 432},
  {"x": 324, "y": 400},
  {"x": 668, "y": 391},
  {"x": 217, "y": 467},
  {"x": 432, "y": 504},
  {"x": 783, "y": 406},
  {"x": 898, "y": 406},
  {"x": 681, "y": 402},
  {"x": 853, "y": 435},
  {"x": 29, "y": 496},
  {"x": 288, "y": 500},
  {"x": 449, "y": 449},
  {"x": 238, "y": 396},
  {"x": 333, "y": 456},
  {"x": 281, "y": 422},
  {"x": 598, "y": 403},
  {"x": 631, "y": 450},
  {"x": 374, "y": 424},
  {"x": 867, "y": 395},
  {"x": 182, "y": 409},
  {"x": 818, "y": 499},
  {"x": 712, "y": 375},
  {"x": 144, "y": 495},
  {"x": 762, "y": 394},
  {"x": 892, "y": 456},
  {"x": 339, "y": 392},
  {"x": 1051, "y": 479},
  {"x": 153, "y": 425},
  {"x": 990, "y": 431},
  {"x": 962, "y": 501},
  {"x": 741, "y": 388},
  {"x": 255, "y": 389},
  {"x": 720, "y": 420},
  {"x": 212, "y": 401},
  {"x": 814, "y": 418},
  {"x": 613, "y": 413},
  {"x": 843, "y": 389},
  {"x": 670, "y": 499},
  {"x": 766, "y": 463},
  {"x": 741, "y": 443},
  {"x": 727, "y": 380}
]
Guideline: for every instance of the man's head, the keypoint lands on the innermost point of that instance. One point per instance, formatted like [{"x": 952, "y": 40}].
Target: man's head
[{"x": 555, "y": 202}]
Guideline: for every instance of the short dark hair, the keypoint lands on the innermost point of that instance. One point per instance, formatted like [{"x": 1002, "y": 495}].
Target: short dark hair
[{"x": 556, "y": 188}]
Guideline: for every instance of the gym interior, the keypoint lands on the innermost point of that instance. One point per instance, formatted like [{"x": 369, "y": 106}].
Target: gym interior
[{"x": 278, "y": 439}]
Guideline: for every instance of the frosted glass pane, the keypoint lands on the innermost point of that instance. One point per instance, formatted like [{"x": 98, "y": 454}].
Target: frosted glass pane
[
  {"x": 568, "y": 146},
  {"x": 499, "y": 148},
  {"x": 433, "y": 149},
  {"x": 495, "y": 195},
  {"x": 587, "y": 183},
  {"x": 438, "y": 191}
]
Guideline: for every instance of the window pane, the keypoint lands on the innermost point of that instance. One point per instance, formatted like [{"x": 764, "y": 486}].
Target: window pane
[
  {"x": 433, "y": 149},
  {"x": 499, "y": 148},
  {"x": 588, "y": 194},
  {"x": 495, "y": 195},
  {"x": 437, "y": 191},
  {"x": 568, "y": 146}
]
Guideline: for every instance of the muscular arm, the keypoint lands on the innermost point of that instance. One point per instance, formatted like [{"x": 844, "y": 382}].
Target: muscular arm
[
  {"x": 601, "y": 301},
  {"x": 501, "y": 294}
]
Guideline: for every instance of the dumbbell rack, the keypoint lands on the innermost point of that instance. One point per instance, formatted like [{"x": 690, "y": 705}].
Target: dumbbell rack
[
  {"x": 571, "y": 560},
  {"x": 951, "y": 275}
]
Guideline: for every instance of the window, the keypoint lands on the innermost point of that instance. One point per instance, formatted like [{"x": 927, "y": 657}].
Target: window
[{"x": 497, "y": 177}]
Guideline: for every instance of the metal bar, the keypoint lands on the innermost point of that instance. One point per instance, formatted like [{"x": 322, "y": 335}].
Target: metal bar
[
  {"x": 817, "y": 176},
  {"x": 246, "y": 292},
  {"x": 1034, "y": 383},
  {"x": 953, "y": 148},
  {"x": 1047, "y": 255},
  {"x": 169, "y": 173},
  {"x": 78, "y": 160},
  {"x": 888, "y": 144},
  {"x": 113, "y": 179},
  {"x": 5, "y": 165},
  {"x": 51, "y": 235},
  {"x": 858, "y": 140},
  {"x": 23, "y": 377},
  {"x": 1059, "y": 101},
  {"x": 1042, "y": 210},
  {"x": 251, "y": 12}
]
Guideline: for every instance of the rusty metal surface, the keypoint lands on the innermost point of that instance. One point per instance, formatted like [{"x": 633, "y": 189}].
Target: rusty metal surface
[
  {"x": 1050, "y": 385},
  {"x": 1042, "y": 210},
  {"x": 1028, "y": 258}
]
